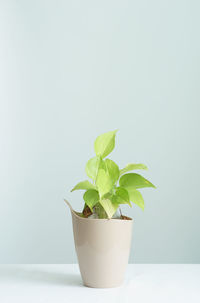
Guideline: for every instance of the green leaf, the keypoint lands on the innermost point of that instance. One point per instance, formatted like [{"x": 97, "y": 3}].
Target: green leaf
[
  {"x": 122, "y": 196},
  {"x": 134, "y": 181},
  {"x": 93, "y": 166},
  {"x": 132, "y": 166},
  {"x": 91, "y": 198},
  {"x": 99, "y": 210},
  {"x": 136, "y": 197},
  {"x": 83, "y": 185},
  {"x": 104, "y": 144},
  {"x": 112, "y": 169},
  {"x": 103, "y": 182},
  {"x": 109, "y": 207}
]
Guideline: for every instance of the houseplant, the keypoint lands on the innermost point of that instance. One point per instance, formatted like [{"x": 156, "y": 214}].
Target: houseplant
[{"x": 102, "y": 234}]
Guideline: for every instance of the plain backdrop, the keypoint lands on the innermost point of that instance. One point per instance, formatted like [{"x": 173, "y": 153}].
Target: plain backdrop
[{"x": 71, "y": 70}]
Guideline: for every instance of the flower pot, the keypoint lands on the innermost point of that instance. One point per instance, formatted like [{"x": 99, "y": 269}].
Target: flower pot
[{"x": 102, "y": 247}]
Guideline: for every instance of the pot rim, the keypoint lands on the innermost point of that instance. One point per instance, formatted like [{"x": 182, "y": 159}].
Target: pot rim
[{"x": 94, "y": 219}]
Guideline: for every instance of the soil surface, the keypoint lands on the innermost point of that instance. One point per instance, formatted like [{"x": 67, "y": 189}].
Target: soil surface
[
  {"x": 125, "y": 217},
  {"x": 87, "y": 212}
]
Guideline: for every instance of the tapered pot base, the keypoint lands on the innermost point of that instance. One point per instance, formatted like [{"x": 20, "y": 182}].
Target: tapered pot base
[{"x": 102, "y": 248}]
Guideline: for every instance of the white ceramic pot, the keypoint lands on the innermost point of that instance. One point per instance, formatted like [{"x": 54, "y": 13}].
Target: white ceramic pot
[{"x": 102, "y": 247}]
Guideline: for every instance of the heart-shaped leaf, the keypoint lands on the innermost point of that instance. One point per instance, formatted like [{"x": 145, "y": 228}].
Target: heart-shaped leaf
[
  {"x": 83, "y": 185},
  {"x": 136, "y": 197},
  {"x": 132, "y": 166},
  {"x": 104, "y": 144},
  {"x": 134, "y": 181},
  {"x": 122, "y": 196},
  {"x": 91, "y": 198}
]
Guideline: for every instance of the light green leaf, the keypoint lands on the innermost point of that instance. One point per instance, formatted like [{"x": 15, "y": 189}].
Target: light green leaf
[
  {"x": 136, "y": 197},
  {"x": 104, "y": 144},
  {"x": 91, "y": 198},
  {"x": 93, "y": 166},
  {"x": 122, "y": 196},
  {"x": 83, "y": 185},
  {"x": 132, "y": 166},
  {"x": 103, "y": 182},
  {"x": 99, "y": 210},
  {"x": 109, "y": 207},
  {"x": 134, "y": 181},
  {"x": 112, "y": 169}
]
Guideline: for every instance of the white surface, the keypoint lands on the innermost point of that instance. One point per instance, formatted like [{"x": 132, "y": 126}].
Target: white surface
[{"x": 62, "y": 283}]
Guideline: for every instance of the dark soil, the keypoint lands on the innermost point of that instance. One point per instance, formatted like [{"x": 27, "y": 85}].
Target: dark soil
[
  {"x": 87, "y": 212},
  {"x": 125, "y": 217}
]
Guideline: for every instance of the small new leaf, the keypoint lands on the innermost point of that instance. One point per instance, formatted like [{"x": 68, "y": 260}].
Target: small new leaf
[
  {"x": 134, "y": 181},
  {"x": 132, "y": 166},
  {"x": 83, "y": 185},
  {"x": 104, "y": 144},
  {"x": 91, "y": 198}
]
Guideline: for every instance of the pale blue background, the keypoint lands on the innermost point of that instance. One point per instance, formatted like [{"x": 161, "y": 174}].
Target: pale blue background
[{"x": 70, "y": 70}]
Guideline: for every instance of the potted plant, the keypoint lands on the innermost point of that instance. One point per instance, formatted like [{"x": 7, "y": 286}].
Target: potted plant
[{"x": 102, "y": 234}]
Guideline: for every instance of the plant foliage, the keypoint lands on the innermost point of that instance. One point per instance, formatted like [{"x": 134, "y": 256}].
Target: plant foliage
[{"x": 111, "y": 186}]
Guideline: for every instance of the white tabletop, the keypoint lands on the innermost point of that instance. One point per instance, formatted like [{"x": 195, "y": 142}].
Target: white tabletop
[{"x": 62, "y": 283}]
